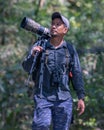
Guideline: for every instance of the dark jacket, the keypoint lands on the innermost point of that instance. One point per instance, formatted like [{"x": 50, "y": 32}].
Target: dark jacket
[{"x": 55, "y": 82}]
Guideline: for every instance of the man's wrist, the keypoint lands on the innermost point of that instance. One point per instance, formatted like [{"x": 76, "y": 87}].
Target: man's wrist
[{"x": 82, "y": 99}]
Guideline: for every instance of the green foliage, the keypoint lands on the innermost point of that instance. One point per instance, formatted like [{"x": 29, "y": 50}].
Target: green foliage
[{"x": 86, "y": 20}]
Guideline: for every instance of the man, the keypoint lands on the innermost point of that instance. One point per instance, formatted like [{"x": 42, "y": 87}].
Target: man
[{"x": 53, "y": 101}]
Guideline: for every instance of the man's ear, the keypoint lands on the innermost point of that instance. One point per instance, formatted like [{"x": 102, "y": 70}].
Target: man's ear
[{"x": 65, "y": 30}]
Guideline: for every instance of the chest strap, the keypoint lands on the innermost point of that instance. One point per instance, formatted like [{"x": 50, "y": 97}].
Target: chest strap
[
  {"x": 66, "y": 56},
  {"x": 46, "y": 58}
]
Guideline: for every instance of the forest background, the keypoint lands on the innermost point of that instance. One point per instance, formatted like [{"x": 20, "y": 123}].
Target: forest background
[{"x": 86, "y": 33}]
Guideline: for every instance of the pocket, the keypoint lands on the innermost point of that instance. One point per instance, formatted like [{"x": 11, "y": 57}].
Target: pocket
[{"x": 64, "y": 80}]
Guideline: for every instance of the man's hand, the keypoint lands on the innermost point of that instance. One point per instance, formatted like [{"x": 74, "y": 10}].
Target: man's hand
[
  {"x": 36, "y": 49},
  {"x": 81, "y": 106}
]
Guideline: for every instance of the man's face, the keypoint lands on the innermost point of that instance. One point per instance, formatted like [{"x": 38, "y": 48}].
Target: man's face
[{"x": 58, "y": 28}]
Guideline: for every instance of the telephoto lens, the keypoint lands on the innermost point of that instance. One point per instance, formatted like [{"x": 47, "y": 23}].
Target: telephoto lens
[{"x": 31, "y": 25}]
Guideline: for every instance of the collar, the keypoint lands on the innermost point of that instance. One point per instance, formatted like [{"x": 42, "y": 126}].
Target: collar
[{"x": 48, "y": 45}]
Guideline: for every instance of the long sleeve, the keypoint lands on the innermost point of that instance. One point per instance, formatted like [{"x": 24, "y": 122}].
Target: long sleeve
[
  {"x": 27, "y": 63},
  {"x": 77, "y": 79}
]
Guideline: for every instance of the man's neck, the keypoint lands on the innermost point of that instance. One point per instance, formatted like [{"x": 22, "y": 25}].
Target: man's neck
[{"x": 56, "y": 41}]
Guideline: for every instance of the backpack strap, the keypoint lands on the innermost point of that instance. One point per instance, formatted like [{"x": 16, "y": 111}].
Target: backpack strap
[
  {"x": 71, "y": 52},
  {"x": 46, "y": 58},
  {"x": 67, "y": 58}
]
